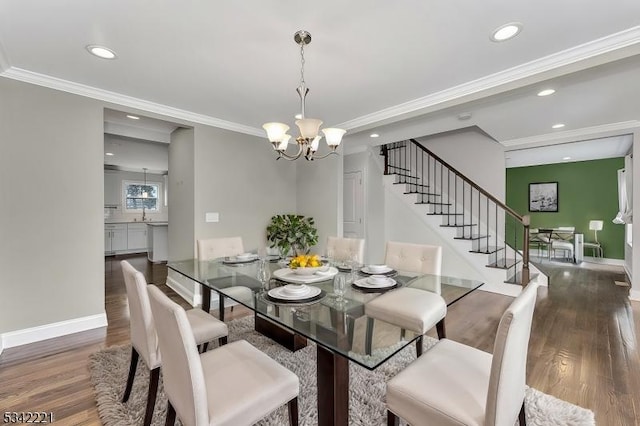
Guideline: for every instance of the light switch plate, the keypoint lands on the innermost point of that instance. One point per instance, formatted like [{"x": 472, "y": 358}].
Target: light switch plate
[{"x": 212, "y": 217}]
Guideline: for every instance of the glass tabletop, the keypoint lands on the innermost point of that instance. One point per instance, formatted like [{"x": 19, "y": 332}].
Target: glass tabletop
[{"x": 337, "y": 324}]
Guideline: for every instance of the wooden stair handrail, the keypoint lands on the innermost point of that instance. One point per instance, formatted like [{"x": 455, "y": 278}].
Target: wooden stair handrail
[{"x": 470, "y": 182}]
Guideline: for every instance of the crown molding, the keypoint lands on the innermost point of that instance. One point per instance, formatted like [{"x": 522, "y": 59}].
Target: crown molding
[
  {"x": 583, "y": 52},
  {"x": 124, "y": 100},
  {"x": 611, "y": 129}
]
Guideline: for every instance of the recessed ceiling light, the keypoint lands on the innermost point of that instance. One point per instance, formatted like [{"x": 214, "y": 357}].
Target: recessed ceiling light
[
  {"x": 298, "y": 116},
  {"x": 133, "y": 117},
  {"x": 546, "y": 92},
  {"x": 506, "y": 31},
  {"x": 110, "y": 154},
  {"x": 557, "y": 126},
  {"x": 101, "y": 51},
  {"x": 566, "y": 158},
  {"x": 374, "y": 135},
  {"x": 464, "y": 116}
]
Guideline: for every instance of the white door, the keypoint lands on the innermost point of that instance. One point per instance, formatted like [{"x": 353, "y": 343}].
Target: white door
[{"x": 353, "y": 205}]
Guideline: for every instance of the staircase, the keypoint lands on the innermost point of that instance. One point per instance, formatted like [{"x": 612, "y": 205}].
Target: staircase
[{"x": 491, "y": 228}]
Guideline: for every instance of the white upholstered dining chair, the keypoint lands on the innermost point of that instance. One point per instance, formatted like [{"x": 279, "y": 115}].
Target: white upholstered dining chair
[
  {"x": 215, "y": 248},
  {"x": 418, "y": 258},
  {"x": 456, "y": 384},
  {"x": 562, "y": 241},
  {"x": 235, "y": 384},
  {"x": 344, "y": 249},
  {"x": 144, "y": 340},
  {"x": 417, "y": 310}
]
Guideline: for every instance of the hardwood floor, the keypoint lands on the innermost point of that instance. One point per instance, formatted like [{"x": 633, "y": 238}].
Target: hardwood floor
[{"x": 584, "y": 347}]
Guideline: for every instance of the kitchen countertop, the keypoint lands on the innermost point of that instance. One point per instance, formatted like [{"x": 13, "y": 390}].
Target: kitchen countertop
[{"x": 159, "y": 223}]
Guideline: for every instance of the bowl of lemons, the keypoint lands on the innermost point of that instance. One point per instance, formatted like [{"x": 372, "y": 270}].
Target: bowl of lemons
[{"x": 306, "y": 264}]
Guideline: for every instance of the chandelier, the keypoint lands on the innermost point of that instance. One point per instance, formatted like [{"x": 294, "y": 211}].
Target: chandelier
[{"x": 309, "y": 140}]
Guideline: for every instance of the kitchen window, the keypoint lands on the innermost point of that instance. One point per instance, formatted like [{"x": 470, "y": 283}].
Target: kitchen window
[{"x": 140, "y": 196}]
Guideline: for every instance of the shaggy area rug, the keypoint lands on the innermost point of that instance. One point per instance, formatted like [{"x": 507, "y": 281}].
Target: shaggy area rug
[{"x": 109, "y": 369}]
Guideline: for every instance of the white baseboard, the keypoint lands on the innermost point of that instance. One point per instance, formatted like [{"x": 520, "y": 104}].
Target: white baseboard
[
  {"x": 186, "y": 293},
  {"x": 604, "y": 261},
  {"x": 49, "y": 331}
]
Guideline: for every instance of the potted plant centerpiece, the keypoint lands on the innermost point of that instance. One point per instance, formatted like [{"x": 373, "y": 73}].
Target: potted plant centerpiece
[{"x": 292, "y": 233}]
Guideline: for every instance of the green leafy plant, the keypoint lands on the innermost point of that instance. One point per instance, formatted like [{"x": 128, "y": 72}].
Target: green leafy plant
[{"x": 292, "y": 231}]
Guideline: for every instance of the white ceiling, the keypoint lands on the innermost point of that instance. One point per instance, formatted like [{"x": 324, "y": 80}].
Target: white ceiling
[
  {"x": 404, "y": 68},
  {"x": 135, "y": 155}
]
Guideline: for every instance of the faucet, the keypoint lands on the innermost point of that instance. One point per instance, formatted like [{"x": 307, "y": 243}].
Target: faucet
[{"x": 144, "y": 214}]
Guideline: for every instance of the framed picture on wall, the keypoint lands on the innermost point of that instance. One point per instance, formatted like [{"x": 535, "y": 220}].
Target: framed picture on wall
[{"x": 543, "y": 197}]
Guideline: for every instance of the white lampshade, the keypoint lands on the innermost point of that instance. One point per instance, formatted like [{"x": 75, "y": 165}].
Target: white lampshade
[
  {"x": 282, "y": 146},
  {"x": 309, "y": 127},
  {"x": 315, "y": 143},
  {"x": 334, "y": 136},
  {"x": 275, "y": 131},
  {"x": 595, "y": 225}
]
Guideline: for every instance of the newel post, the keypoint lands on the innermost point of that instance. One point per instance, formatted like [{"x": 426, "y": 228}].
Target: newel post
[{"x": 526, "y": 221}]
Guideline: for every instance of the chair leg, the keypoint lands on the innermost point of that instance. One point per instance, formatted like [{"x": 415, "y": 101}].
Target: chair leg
[
  {"x": 204, "y": 346},
  {"x": 522, "y": 419},
  {"x": 151, "y": 398},
  {"x": 171, "y": 415},
  {"x": 221, "y": 307},
  {"x": 392, "y": 419},
  {"x": 293, "y": 411},
  {"x": 132, "y": 374},
  {"x": 222, "y": 341},
  {"x": 442, "y": 332},
  {"x": 419, "y": 346}
]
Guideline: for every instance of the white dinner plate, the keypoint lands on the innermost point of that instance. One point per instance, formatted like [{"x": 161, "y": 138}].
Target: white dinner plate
[
  {"x": 386, "y": 270},
  {"x": 287, "y": 275},
  {"x": 279, "y": 293},
  {"x": 233, "y": 259},
  {"x": 365, "y": 283}
]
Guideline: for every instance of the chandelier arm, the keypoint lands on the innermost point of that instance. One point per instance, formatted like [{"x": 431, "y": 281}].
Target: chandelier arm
[
  {"x": 282, "y": 154},
  {"x": 314, "y": 157}
]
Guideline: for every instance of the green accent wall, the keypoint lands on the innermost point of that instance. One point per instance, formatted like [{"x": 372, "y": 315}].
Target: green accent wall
[{"x": 587, "y": 190}]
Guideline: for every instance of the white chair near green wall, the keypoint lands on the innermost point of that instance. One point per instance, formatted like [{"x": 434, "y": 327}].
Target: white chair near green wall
[{"x": 596, "y": 247}]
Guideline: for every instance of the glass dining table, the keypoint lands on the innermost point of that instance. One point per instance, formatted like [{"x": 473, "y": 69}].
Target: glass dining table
[{"x": 335, "y": 324}]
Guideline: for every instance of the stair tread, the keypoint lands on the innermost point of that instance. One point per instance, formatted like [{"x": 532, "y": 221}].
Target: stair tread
[
  {"x": 458, "y": 226},
  {"x": 403, "y": 175},
  {"x": 517, "y": 278},
  {"x": 445, "y": 214},
  {"x": 411, "y": 184},
  {"x": 504, "y": 263},
  {"x": 432, "y": 194},
  {"x": 431, "y": 202},
  {"x": 398, "y": 168},
  {"x": 472, "y": 237},
  {"x": 487, "y": 250}
]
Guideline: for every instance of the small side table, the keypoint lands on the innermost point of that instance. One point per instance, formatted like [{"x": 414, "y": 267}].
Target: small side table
[{"x": 596, "y": 249}]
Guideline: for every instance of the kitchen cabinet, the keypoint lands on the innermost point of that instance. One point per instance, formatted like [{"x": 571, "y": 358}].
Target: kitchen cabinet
[
  {"x": 158, "y": 236},
  {"x": 137, "y": 237},
  {"x": 115, "y": 238},
  {"x": 112, "y": 189}
]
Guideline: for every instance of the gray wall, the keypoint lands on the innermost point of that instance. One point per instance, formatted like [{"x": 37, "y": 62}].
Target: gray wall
[
  {"x": 51, "y": 206},
  {"x": 181, "y": 195},
  {"x": 475, "y": 155},
  {"x": 237, "y": 176},
  {"x": 319, "y": 195}
]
